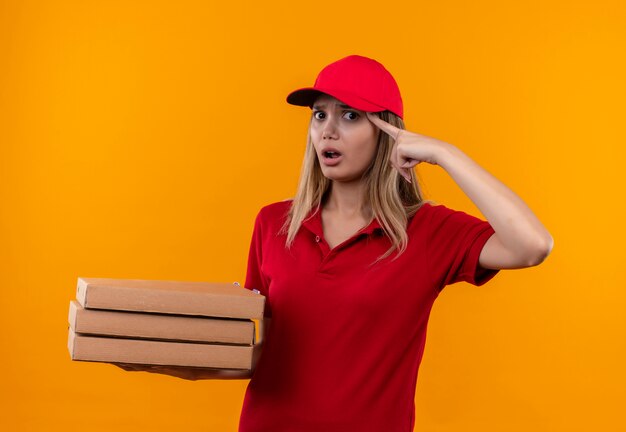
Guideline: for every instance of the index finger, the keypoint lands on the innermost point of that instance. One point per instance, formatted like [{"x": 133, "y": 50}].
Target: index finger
[{"x": 383, "y": 125}]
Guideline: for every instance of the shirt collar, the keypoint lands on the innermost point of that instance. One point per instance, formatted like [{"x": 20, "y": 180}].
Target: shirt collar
[{"x": 313, "y": 222}]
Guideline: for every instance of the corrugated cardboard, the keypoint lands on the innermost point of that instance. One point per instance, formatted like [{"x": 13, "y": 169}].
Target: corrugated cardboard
[
  {"x": 150, "y": 352},
  {"x": 160, "y": 326},
  {"x": 171, "y": 297}
]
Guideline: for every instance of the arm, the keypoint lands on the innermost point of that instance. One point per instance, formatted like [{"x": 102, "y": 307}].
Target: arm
[
  {"x": 520, "y": 240},
  {"x": 194, "y": 374}
]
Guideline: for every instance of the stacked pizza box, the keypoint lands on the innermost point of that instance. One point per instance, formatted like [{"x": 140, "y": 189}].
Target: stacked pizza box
[{"x": 153, "y": 322}]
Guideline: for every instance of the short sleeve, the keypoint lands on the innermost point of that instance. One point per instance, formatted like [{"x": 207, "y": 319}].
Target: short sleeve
[
  {"x": 254, "y": 276},
  {"x": 454, "y": 244}
]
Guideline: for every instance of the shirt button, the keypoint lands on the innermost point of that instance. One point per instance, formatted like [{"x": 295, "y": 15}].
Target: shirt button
[{"x": 317, "y": 239}]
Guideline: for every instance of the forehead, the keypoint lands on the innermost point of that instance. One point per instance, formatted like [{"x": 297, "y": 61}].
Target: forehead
[{"x": 327, "y": 101}]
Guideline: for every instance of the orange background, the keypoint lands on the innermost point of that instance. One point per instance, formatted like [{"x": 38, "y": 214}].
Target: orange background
[{"x": 139, "y": 139}]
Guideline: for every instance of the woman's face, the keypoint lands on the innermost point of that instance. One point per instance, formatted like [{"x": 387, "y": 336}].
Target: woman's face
[{"x": 344, "y": 139}]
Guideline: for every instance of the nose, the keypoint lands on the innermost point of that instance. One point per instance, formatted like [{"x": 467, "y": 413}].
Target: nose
[{"x": 330, "y": 129}]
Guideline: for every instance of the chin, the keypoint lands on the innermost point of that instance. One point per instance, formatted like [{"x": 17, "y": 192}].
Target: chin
[{"x": 343, "y": 178}]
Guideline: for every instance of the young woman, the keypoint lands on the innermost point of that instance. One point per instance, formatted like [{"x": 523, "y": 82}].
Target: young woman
[{"x": 352, "y": 265}]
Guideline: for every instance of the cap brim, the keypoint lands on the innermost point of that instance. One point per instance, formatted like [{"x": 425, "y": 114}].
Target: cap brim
[{"x": 306, "y": 96}]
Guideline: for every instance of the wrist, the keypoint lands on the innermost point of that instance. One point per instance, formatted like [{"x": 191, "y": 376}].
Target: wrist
[{"x": 446, "y": 154}]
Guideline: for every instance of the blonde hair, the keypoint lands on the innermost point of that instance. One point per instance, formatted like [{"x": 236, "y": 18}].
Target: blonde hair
[{"x": 391, "y": 199}]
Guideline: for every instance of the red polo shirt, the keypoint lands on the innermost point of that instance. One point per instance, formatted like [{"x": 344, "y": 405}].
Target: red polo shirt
[{"x": 347, "y": 338}]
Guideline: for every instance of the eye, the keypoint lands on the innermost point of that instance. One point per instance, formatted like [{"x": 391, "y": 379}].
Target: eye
[
  {"x": 354, "y": 115},
  {"x": 315, "y": 115}
]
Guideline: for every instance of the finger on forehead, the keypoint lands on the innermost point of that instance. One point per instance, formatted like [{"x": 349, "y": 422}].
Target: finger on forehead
[{"x": 382, "y": 124}]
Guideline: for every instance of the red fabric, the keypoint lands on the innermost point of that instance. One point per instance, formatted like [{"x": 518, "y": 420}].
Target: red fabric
[
  {"x": 358, "y": 81},
  {"x": 347, "y": 338}
]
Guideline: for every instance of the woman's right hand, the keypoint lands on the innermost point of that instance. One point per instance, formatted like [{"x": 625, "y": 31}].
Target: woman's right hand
[
  {"x": 187, "y": 373},
  {"x": 175, "y": 371}
]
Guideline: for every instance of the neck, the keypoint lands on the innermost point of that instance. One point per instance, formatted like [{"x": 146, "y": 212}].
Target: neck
[{"x": 347, "y": 198}]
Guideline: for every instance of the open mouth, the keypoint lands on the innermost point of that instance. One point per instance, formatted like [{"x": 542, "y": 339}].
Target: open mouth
[{"x": 331, "y": 154}]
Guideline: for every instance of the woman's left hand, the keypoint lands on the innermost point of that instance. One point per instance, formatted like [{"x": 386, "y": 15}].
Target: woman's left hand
[{"x": 410, "y": 148}]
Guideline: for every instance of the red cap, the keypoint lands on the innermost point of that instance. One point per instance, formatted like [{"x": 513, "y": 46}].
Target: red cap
[{"x": 361, "y": 82}]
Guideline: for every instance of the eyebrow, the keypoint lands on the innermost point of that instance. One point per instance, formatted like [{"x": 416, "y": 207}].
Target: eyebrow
[{"x": 339, "y": 105}]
